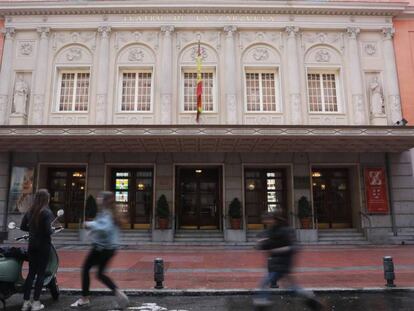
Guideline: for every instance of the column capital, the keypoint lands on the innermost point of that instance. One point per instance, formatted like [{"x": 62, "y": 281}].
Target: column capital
[
  {"x": 9, "y": 32},
  {"x": 43, "y": 32},
  {"x": 388, "y": 32},
  {"x": 230, "y": 30},
  {"x": 104, "y": 31},
  {"x": 167, "y": 29},
  {"x": 353, "y": 32},
  {"x": 292, "y": 31}
]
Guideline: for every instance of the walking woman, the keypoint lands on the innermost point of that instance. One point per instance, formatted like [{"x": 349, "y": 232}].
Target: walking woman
[
  {"x": 38, "y": 222},
  {"x": 105, "y": 240}
]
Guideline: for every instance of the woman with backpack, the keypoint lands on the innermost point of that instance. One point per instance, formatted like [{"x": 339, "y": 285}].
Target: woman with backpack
[
  {"x": 104, "y": 232},
  {"x": 38, "y": 222}
]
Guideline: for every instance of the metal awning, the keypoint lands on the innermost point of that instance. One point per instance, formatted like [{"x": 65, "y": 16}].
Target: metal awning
[{"x": 206, "y": 138}]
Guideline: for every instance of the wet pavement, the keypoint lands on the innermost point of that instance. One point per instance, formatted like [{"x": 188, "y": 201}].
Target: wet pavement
[{"x": 355, "y": 301}]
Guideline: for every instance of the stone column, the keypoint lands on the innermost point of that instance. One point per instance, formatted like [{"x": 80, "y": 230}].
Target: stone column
[
  {"x": 391, "y": 77},
  {"x": 229, "y": 75},
  {"x": 355, "y": 75},
  {"x": 295, "y": 102},
  {"x": 102, "y": 78},
  {"x": 39, "y": 85},
  {"x": 166, "y": 74},
  {"x": 5, "y": 74}
]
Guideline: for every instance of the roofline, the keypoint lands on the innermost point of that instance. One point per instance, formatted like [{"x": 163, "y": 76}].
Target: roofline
[{"x": 81, "y": 7}]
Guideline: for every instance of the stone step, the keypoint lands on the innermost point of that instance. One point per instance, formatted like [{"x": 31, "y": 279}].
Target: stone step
[{"x": 341, "y": 238}]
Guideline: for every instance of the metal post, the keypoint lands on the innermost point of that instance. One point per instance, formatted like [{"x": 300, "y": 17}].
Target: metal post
[
  {"x": 389, "y": 274},
  {"x": 158, "y": 273}
]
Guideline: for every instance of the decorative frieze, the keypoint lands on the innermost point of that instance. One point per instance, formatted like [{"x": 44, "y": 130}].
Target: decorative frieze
[
  {"x": 212, "y": 38},
  {"x": 247, "y": 38},
  {"x": 334, "y": 39}
]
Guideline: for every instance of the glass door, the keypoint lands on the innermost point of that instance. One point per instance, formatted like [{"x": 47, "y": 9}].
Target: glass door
[
  {"x": 133, "y": 189},
  {"x": 67, "y": 192},
  {"x": 199, "y": 198},
  {"x": 331, "y": 197},
  {"x": 264, "y": 192}
]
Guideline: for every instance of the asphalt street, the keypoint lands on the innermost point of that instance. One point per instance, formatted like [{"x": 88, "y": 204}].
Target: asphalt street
[{"x": 384, "y": 301}]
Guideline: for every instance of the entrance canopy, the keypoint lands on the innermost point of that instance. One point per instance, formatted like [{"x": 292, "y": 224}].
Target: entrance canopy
[{"x": 206, "y": 138}]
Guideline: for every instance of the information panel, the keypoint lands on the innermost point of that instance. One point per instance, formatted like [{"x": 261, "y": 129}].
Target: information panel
[{"x": 376, "y": 190}]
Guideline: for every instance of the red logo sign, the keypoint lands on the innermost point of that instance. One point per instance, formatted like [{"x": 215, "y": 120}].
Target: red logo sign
[{"x": 376, "y": 190}]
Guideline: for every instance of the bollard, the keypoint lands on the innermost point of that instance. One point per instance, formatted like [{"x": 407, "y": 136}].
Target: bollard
[
  {"x": 158, "y": 273},
  {"x": 389, "y": 274}
]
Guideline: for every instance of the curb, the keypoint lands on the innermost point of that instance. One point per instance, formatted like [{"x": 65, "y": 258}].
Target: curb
[{"x": 233, "y": 292}]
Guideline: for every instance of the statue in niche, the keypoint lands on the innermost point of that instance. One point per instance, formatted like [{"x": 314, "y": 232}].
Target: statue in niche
[
  {"x": 21, "y": 90},
  {"x": 377, "y": 98}
]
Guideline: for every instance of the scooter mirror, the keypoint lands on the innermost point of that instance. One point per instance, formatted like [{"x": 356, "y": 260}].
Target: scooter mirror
[
  {"x": 60, "y": 213},
  {"x": 12, "y": 225}
]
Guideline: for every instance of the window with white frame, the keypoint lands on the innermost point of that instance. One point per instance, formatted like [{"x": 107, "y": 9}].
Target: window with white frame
[
  {"x": 190, "y": 90},
  {"x": 73, "y": 94},
  {"x": 136, "y": 90},
  {"x": 261, "y": 90},
  {"x": 323, "y": 91}
]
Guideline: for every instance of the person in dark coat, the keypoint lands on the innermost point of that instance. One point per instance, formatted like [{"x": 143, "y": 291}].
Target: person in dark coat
[
  {"x": 38, "y": 222},
  {"x": 278, "y": 240}
]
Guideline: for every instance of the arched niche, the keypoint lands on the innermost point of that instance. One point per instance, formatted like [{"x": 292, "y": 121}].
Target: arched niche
[
  {"x": 323, "y": 55},
  {"x": 136, "y": 54},
  {"x": 260, "y": 54},
  {"x": 74, "y": 54},
  {"x": 208, "y": 54}
]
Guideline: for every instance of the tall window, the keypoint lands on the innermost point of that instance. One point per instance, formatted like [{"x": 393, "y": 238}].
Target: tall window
[
  {"x": 323, "y": 92},
  {"x": 190, "y": 90},
  {"x": 73, "y": 91},
  {"x": 260, "y": 91},
  {"x": 136, "y": 91}
]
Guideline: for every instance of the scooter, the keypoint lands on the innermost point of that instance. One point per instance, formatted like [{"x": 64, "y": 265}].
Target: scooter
[{"x": 11, "y": 278}]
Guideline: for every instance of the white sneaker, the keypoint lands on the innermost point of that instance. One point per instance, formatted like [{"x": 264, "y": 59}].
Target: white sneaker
[
  {"x": 26, "y": 305},
  {"x": 37, "y": 305},
  {"x": 80, "y": 303},
  {"x": 121, "y": 298}
]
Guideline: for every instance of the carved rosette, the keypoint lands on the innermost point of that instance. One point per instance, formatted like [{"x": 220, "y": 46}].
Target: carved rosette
[
  {"x": 322, "y": 56},
  {"x": 26, "y": 48},
  {"x": 388, "y": 33},
  {"x": 261, "y": 54},
  {"x": 74, "y": 54},
  {"x": 353, "y": 32}
]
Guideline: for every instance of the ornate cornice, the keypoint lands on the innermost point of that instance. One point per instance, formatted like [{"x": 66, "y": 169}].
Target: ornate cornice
[{"x": 208, "y": 7}]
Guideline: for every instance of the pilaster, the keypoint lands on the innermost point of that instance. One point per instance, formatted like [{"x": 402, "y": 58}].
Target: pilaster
[
  {"x": 166, "y": 74},
  {"x": 102, "y": 78},
  {"x": 230, "y": 81},
  {"x": 5, "y": 74}
]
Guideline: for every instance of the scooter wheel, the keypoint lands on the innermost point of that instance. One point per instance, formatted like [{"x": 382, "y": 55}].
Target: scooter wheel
[{"x": 54, "y": 289}]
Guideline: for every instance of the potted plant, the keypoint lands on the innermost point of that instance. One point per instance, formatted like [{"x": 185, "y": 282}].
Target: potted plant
[
  {"x": 91, "y": 208},
  {"x": 163, "y": 212},
  {"x": 305, "y": 212},
  {"x": 235, "y": 213}
]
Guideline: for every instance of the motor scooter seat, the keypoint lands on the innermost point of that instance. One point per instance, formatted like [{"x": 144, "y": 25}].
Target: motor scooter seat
[{"x": 10, "y": 270}]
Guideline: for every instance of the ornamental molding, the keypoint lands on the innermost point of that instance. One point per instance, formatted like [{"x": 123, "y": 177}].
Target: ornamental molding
[
  {"x": 370, "y": 48},
  {"x": 322, "y": 56},
  {"x": 87, "y": 38},
  {"x": 136, "y": 55},
  {"x": 74, "y": 54},
  {"x": 149, "y": 38},
  {"x": 185, "y": 38},
  {"x": 105, "y": 8},
  {"x": 261, "y": 54},
  {"x": 272, "y": 38}
]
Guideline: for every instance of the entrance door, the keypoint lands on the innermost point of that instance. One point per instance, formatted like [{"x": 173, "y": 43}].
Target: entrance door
[
  {"x": 331, "y": 197},
  {"x": 67, "y": 192},
  {"x": 199, "y": 198},
  {"x": 265, "y": 191},
  {"x": 133, "y": 189}
]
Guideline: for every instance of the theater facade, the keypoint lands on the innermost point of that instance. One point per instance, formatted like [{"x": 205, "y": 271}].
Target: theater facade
[{"x": 300, "y": 99}]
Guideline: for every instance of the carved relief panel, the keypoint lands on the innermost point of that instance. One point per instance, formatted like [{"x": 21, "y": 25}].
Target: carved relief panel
[
  {"x": 136, "y": 54},
  {"x": 124, "y": 38},
  {"x": 74, "y": 54},
  {"x": 26, "y": 48},
  {"x": 311, "y": 39},
  {"x": 86, "y": 38},
  {"x": 261, "y": 54},
  {"x": 212, "y": 38},
  {"x": 271, "y": 38},
  {"x": 188, "y": 56},
  {"x": 323, "y": 55}
]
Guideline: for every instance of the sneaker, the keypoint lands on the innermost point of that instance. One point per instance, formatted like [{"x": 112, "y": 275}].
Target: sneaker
[
  {"x": 37, "y": 305},
  {"x": 26, "y": 305},
  {"x": 80, "y": 303},
  {"x": 121, "y": 298},
  {"x": 262, "y": 302}
]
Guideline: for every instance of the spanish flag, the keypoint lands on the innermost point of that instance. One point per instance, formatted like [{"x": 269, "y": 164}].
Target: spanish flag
[{"x": 199, "y": 60}]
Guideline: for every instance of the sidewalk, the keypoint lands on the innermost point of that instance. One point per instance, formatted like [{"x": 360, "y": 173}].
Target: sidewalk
[{"x": 229, "y": 268}]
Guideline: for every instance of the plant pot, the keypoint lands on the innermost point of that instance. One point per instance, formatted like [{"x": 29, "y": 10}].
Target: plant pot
[
  {"x": 306, "y": 222},
  {"x": 163, "y": 223},
  {"x": 235, "y": 223}
]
